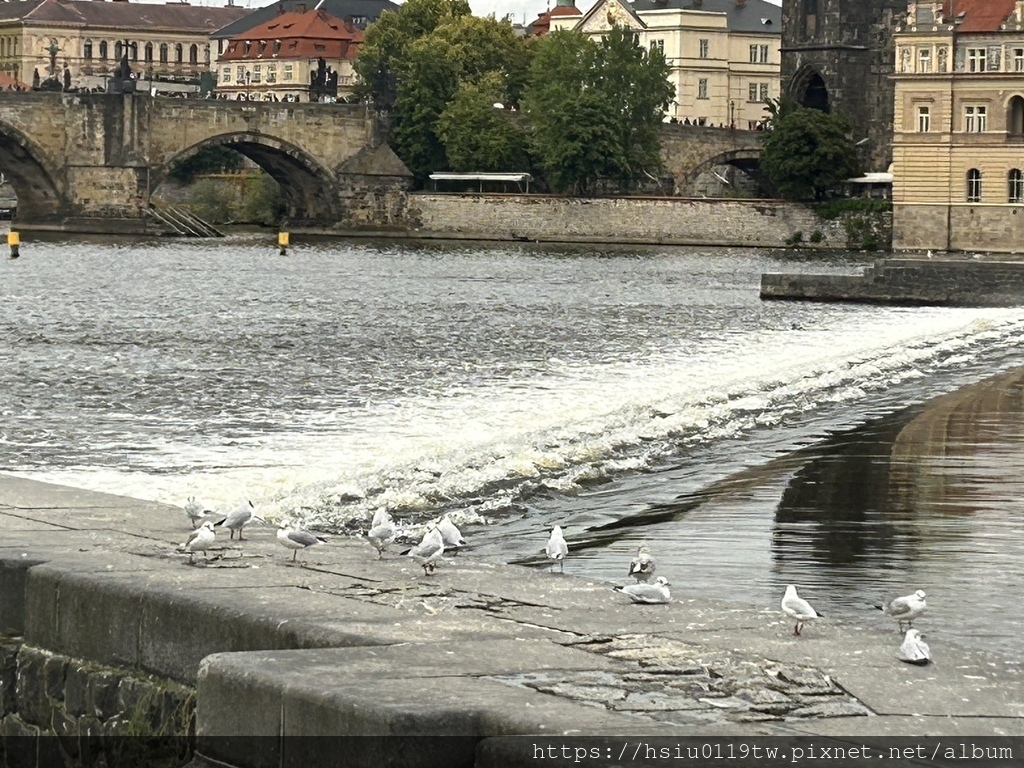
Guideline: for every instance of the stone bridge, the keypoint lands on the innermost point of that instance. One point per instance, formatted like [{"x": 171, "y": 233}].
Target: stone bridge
[
  {"x": 690, "y": 150},
  {"x": 90, "y": 162}
]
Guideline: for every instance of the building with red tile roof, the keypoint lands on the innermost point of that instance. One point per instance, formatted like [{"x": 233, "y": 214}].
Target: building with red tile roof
[
  {"x": 958, "y": 127},
  {"x": 542, "y": 24},
  {"x": 279, "y": 58}
]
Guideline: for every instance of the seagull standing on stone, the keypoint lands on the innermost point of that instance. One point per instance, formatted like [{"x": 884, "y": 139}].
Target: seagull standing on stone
[
  {"x": 557, "y": 549},
  {"x": 429, "y": 550},
  {"x": 451, "y": 534},
  {"x": 795, "y": 606},
  {"x": 295, "y": 538},
  {"x": 648, "y": 593},
  {"x": 382, "y": 531},
  {"x": 237, "y": 518},
  {"x": 903, "y": 610},
  {"x": 641, "y": 567},
  {"x": 200, "y": 540},
  {"x": 914, "y": 649}
]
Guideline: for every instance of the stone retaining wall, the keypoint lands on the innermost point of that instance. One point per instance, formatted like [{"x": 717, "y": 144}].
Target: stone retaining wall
[
  {"x": 765, "y": 223},
  {"x": 952, "y": 282},
  {"x": 55, "y": 706}
]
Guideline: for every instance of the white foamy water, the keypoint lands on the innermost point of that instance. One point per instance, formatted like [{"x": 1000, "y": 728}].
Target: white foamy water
[{"x": 478, "y": 446}]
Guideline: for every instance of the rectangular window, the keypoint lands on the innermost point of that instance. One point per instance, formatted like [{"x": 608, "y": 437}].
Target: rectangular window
[
  {"x": 1018, "y": 59},
  {"x": 924, "y": 119},
  {"x": 924, "y": 60},
  {"x": 703, "y": 49},
  {"x": 764, "y": 92},
  {"x": 240, "y": 73},
  {"x": 1016, "y": 186},
  {"x": 702, "y": 88},
  {"x": 974, "y": 186},
  {"x": 257, "y": 73},
  {"x": 752, "y": 92},
  {"x": 976, "y": 59},
  {"x": 227, "y": 75},
  {"x": 975, "y": 119},
  {"x": 763, "y": 50},
  {"x": 753, "y": 54},
  {"x": 271, "y": 73},
  {"x": 659, "y": 46},
  {"x": 287, "y": 73}
]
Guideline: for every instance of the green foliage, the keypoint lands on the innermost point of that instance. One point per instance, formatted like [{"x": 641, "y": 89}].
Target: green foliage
[
  {"x": 262, "y": 203},
  {"x": 478, "y": 137},
  {"x": 594, "y": 109},
  {"x": 213, "y": 159},
  {"x": 414, "y": 62},
  {"x": 808, "y": 153},
  {"x": 795, "y": 239},
  {"x": 208, "y": 200}
]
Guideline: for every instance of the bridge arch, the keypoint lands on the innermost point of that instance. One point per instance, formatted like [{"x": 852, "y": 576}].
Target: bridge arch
[
  {"x": 746, "y": 159},
  {"x": 31, "y": 174},
  {"x": 307, "y": 187}
]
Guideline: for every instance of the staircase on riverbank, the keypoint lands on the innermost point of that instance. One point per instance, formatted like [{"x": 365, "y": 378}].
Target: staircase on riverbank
[{"x": 174, "y": 221}]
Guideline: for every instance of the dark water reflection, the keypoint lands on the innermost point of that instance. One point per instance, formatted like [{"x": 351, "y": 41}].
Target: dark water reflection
[{"x": 928, "y": 498}]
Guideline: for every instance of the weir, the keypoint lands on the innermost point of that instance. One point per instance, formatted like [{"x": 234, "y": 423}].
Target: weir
[{"x": 240, "y": 658}]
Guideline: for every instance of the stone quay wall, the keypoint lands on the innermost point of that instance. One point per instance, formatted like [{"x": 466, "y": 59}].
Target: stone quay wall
[
  {"x": 673, "y": 221},
  {"x": 951, "y": 282}
]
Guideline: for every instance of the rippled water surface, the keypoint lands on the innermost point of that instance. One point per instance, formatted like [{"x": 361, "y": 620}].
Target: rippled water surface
[{"x": 628, "y": 394}]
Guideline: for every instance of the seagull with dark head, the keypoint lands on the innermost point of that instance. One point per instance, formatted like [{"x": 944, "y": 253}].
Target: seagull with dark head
[{"x": 641, "y": 567}]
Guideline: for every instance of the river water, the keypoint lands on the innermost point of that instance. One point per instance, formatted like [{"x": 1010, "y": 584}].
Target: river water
[{"x": 628, "y": 394}]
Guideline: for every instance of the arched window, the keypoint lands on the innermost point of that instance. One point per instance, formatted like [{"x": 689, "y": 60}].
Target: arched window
[
  {"x": 974, "y": 186},
  {"x": 163, "y": 53},
  {"x": 810, "y": 18},
  {"x": 134, "y": 48},
  {"x": 206, "y": 54},
  {"x": 178, "y": 53},
  {"x": 193, "y": 54},
  {"x": 118, "y": 50},
  {"x": 1015, "y": 117},
  {"x": 87, "y": 50},
  {"x": 1015, "y": 186},
  {"x": 103, "y": 50},
  {"x": 148, "y": 52}
]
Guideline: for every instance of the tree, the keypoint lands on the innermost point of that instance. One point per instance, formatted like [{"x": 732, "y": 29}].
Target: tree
[
  {"x": 807, "y": 152},
  {"x": 594, "y": 109},
  {"x": 414, "y": 61},
  {"x": 211, "y": 159},
  {"x": 476, "y": 135}
]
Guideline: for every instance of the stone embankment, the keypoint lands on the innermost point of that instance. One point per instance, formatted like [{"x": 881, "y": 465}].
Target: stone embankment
[
  {"x": 964, "y": 281},
  {"x": 109, "y": 632}
]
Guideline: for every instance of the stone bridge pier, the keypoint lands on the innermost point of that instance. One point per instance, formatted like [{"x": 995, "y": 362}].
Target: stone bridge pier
[{"x": 91, "y": 162}]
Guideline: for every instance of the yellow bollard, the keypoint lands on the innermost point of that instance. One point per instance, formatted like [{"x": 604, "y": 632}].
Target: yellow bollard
[
  {"x": 282, "y": 241},
  {"x": 13, "y": 241}
]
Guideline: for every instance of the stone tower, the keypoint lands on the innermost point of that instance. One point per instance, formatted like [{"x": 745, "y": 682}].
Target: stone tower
[{"x": 838, "y": 55}]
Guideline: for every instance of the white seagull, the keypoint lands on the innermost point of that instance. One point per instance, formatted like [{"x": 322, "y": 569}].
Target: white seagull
[
  {"x": 648, "y": 593},
  {"x": 914, "y": 649},
  {"x": 429, "y": 550},
  {"x": 295, "y": 538},
  {"x": 237, "y": 518},
  {"x": 795, "y": 606},
  {"x": 195, "y": 511},
  {"x": 903, "y": 610},
  {"x": 451, "y": 534},
  {"x": 382, "y": 532},
  {"x": 200, "y": 540},
  {"x": 557, "y": 549},
  {"x": 641, "y": 567}
]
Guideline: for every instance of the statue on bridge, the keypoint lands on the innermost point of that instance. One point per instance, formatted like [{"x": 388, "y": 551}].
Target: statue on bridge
[
  {"x": 122, "y": 82},
  {"x": 323, "y": 83}
]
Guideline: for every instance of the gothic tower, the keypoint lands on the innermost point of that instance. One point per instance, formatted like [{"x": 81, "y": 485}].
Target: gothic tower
[{"x": 838, "y": 55}]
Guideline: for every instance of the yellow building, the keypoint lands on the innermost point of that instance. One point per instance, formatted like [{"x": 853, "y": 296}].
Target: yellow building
[
  {"x": 723, "y": 55},
  {"x": 41, "y": 39},
  {"x": 958, "y": 131}
]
